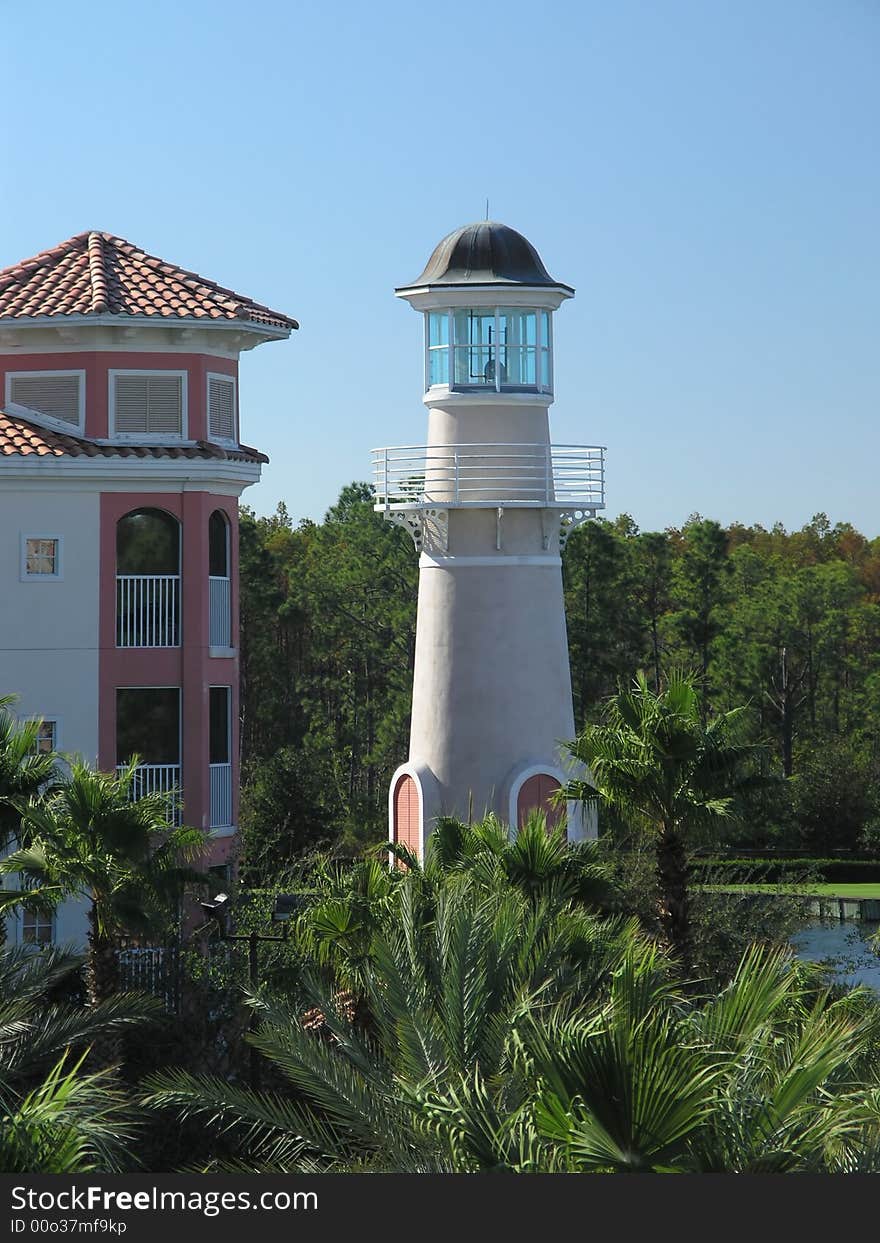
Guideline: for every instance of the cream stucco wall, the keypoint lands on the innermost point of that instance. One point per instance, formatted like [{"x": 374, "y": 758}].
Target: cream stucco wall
[
  {"x": 491, "y": 686},
  {"x": 49, "y": 631}
]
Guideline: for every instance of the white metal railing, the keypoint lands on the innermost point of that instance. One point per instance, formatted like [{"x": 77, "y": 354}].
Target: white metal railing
[
  {"x": 147, "y": 610},
  {"x": 220, "y": 613},
  {"x": 562, "y": 476},
  {"x": 158, "y": 779},
  {"x": 221, "y": 796}
]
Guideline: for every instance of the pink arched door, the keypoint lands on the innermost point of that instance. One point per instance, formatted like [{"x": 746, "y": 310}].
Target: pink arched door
[
  {"x": 406, "y": 814},
  {"x": 535, "y": 795}
]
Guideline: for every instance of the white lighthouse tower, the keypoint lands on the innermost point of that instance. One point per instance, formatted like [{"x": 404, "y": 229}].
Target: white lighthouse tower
[{"x": 489, "y": 502}]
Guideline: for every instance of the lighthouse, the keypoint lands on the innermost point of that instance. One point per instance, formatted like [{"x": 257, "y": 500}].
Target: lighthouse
[{"x": 489, "y": 501}]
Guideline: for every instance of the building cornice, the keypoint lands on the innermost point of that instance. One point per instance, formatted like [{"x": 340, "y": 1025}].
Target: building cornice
[
  {"x": 133, "y": 333},
  {"x": 129, "y": 474}
]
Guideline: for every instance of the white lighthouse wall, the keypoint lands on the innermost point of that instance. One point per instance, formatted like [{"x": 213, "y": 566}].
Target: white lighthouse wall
[
  {"x": 496, "y": 421},
  {"x": 49, "y": 629},
  {"x": 492, "y": 688}
]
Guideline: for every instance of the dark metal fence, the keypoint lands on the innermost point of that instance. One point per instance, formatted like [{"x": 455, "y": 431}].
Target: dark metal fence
[{"x": 152, "y": 969}]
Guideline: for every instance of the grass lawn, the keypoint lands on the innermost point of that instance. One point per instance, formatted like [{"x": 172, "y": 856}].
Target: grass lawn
[{"x": 818, "y": 891}]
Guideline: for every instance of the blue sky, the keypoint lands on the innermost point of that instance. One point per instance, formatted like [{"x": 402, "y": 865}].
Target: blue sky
[{"x": 705, "y": 174}]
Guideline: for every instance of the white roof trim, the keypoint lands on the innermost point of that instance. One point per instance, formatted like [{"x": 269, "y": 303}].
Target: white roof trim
[{"x": 142, "y": 321}]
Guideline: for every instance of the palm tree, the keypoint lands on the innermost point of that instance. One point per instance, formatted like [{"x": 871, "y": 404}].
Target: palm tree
[
  {"x": 537, "y": 861},
  {"x": 512, "y": 1036},
  {"x": 654, "y": 760},
  {"x": 53, "y": 1117},
  {"x": 25, "y": 770},
  {"x": 89, "y": 839},
  {"x": 451, "y": 977},
  {"x": 765, "y": 1077},
  {"x": 69, "y": 1124}
]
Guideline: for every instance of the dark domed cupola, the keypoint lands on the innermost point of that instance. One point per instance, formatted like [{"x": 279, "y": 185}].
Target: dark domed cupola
[{"x": 486, "y": 253}]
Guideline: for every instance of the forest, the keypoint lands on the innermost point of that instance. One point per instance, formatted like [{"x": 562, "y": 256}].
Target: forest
[{"x": 785, "y": 623}]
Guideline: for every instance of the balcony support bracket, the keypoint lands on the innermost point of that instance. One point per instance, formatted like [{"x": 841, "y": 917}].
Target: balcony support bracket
[
  {"x": 549, "y": 527},
  {"x": 428, "y": 528},
  {"x": 570, "y": 520}
]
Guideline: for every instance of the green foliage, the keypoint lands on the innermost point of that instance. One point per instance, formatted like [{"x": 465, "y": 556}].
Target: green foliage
[
  {"x": 486, "y": 1032},
  {"x": 328, "y": 636},
  {"x": 834, "y": 795},
  {"x": 24, "y": 770},
  {"x": 538, "y": 863},
  {"x": 787, "y": 624},
  {"x": 70, "y": 1124},
  {"x": 732, "y": 871},
  {"x": 448, "y": 974},
  {"x": 656, "y": 763},
  {"x": 54, "y": 1117},
  {"x": 87, "y": 838}
]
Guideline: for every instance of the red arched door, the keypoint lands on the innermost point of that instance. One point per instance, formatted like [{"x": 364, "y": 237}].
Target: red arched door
[
  {"x": 535, "y": 795},
  {"x": 406, "y": 813}
]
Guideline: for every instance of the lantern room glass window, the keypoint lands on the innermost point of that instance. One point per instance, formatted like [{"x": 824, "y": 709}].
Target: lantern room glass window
[{"x": 500, "y": 349}]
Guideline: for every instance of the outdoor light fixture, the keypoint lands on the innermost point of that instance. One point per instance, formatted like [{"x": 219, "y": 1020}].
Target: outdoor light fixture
[
  {"x": 218, "y": 909},
  {"x": 217, "y": 904}
]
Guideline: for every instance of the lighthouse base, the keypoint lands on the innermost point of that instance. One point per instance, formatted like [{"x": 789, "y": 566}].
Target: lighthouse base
[{"x": 416, "y": 802}]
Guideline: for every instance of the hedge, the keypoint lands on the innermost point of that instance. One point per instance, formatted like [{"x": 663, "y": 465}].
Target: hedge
[{"x": 776, "y": 871}]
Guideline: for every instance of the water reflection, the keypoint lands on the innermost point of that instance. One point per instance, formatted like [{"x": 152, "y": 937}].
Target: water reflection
[{"x": 844, "y": 942}]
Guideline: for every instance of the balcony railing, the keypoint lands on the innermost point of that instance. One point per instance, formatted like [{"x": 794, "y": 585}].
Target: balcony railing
[
  {"x": 221, "y": 796},
  {"x": 158, "y": 779},
  {"x": 483, "y": 475},
  {"x": 147, "y": 610},
  {"x": 220, "y": 620}
]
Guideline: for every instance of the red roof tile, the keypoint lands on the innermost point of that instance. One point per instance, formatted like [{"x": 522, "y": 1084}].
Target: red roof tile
[
  {"x": 21, "y": 438},
  {"x": 99, "y": 274}
]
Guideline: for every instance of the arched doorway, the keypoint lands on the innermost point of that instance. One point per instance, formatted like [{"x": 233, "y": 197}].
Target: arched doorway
[
  {"x": 406, "y": 814},
  {"x": 535, "y": 794}
]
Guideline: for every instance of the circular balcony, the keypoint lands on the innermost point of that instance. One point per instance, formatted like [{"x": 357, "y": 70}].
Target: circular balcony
[{"x": 410, "y": 478}]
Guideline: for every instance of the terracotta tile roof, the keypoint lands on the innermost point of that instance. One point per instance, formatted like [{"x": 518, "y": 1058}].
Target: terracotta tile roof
[
  {"x": 99, "y": 274},
  {"x": 21, "y": 438}
]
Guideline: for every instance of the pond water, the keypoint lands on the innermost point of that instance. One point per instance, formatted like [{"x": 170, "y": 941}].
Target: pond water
[{"x": 845, "y": 943}]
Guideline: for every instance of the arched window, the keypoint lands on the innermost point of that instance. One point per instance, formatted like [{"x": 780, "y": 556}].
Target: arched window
[
  {"x": 148, "y": 579},
  {"x": 220, "y": 602},
  {"x": 218, "y": 544},
  {"x": 406, "y": 814},
  {"x": 148, "y": 542},
  {"x": 536, "y": 794}
]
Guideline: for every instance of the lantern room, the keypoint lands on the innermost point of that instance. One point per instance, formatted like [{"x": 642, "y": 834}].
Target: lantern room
[
  {"x": 501, "y": 348},
  {"x": 488, "y": 304}
]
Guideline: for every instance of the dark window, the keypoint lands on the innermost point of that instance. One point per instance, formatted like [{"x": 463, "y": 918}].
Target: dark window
[
  {"x": 219, "y": 725},
  {"x": 148, "y": 542},
  {"x": 218, "y": 541},
  {"x": 148, "y": 725}
]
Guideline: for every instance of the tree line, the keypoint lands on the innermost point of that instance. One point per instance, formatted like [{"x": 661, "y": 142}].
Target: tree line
[{"x": 785, "y": 623}]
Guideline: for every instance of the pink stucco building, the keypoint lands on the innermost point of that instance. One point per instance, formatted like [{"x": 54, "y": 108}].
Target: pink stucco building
[{"x": 121, "y": 468}]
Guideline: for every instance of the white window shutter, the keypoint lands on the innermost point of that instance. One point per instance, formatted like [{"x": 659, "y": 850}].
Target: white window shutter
[
  {"x": 221, "y": 409},
  {"x": 130, "y": 403},
  {"x": 56, "y": 396},
  {"x": 151, "y": 404},
  {"x": 165, "y": 405}
]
